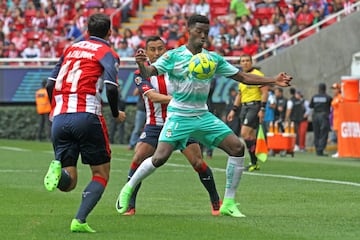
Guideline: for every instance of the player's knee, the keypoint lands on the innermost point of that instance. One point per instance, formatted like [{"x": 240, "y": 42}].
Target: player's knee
[
  {"x": 158, "y": 161},
  {"x": 197, "y": 163},
  {"x": 237, "y": 149},
  {"x": 67, "y": 188}
]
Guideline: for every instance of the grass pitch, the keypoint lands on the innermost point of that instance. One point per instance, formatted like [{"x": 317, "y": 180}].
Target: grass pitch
[{"x": 305, "y": 197}]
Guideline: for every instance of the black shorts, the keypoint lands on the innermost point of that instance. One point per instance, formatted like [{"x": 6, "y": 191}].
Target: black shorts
[
  {"x": 249, "y": 114},
  {"x": 84, "y": 134},
  {"x": 151, "y": 134}
]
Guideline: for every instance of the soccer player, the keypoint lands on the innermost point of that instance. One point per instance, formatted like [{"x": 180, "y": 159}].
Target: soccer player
[
  {"x": 252, "y": 99},
  {"x": 188, "y": 114},
  {"x": 78, "y": 125},
  {"x": 156, "y": 92}
]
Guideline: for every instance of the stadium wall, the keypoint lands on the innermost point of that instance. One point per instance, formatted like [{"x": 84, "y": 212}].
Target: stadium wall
[{"x": 322, "y": 57}]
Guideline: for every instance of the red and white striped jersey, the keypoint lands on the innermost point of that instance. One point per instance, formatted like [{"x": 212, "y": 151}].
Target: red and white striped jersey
[
  {"x": 80, "y": 75},
  {"x": 155, "y": 112}
]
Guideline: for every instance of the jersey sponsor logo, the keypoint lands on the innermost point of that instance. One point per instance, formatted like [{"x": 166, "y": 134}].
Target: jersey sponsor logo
[
  {"x": 143, "y": 135},
  {"x": 146, "y": 87},
  {"x": 168, "y": 133},
  {"x": 138, "y": 80},
  {"x": 166, "y": 56},
  {"x": 350, "y": 130}
]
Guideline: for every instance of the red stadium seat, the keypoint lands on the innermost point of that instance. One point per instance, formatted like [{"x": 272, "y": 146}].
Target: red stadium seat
[
  {"x": 307, "y": 34},
  {"x": 329, "y": 22},
  {"x": 171, "y": 44}
]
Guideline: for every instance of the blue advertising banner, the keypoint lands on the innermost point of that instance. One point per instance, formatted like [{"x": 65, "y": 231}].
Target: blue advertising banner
[{"x": 20, "y": 85}]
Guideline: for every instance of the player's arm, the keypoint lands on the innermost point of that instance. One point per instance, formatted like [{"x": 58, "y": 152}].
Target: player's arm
[
  {"x": 50, "y": 85},
  {"x": 264, "y": 96},
  {"x": 157, "y": 97},
  {"x": 110, "y": 64},
  {"x": 235, "y": 108},
  {"x": 282, "y": 79},
  {"x": 145, "y": 71}
]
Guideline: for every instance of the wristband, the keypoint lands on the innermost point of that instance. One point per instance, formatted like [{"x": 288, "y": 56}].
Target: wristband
[
  {"x": 235, "y": 108},
  {"x": 263, "y": 104}
]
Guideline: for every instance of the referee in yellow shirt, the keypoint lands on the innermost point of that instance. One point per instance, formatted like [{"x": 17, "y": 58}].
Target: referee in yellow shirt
[{"x": 252, "y": 101}]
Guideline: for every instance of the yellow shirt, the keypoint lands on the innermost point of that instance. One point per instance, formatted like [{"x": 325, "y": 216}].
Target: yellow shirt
[{"x": 250, "y": 93}]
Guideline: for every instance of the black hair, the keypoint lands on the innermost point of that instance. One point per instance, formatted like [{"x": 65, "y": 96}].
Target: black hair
[
  {"x": 322, "y": 87},
  {"x": 292, "y": 91},
  {"x": 246, "y": 56},
  {"x": 197, "y": 19},
  {"x": 153, "y": 39},
  {"x": 99, "y": 25}
]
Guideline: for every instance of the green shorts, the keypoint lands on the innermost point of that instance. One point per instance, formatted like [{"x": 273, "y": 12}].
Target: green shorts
[{"x": 206, "y": 128}]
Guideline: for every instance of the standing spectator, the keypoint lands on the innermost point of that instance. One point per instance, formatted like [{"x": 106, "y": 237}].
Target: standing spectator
[
  {"x": 188, "y": 9},
  {"x": 335, "y": 104},
  {"x": 140, "y": 118},
  {"x": 79, "y": 127},
  {"x": 269, "y": 110},
  {"x": 234, "y": 124},
  {"x": 203, "y": 8},
  {"x": 43, "y": 109},
  {"x": 252, "y": 99},
  {"x": 304, "y": 123},
  {"x": 173, "y": 9},
  {"x": 239, "y": 8},
  {"x": 321, "y": 103},
  {"x": 280, "y": 109},
  {"x": 295, "y": 110}
]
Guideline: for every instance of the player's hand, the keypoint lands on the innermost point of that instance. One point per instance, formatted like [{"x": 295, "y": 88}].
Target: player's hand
[
  {"x": 283, "y": 79},
  {"x": 121, "y": 117},
  {"x": 230, "y": 116},
  {"x": 261, "y": 115},
  {"x": 140, "y": 56}
]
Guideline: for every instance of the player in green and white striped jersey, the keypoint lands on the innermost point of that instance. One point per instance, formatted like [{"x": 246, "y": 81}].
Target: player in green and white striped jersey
[{"x": 188, "y": 115}]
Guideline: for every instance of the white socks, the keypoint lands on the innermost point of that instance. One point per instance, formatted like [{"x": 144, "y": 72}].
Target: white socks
[
  {"x": 145, "y": 169},
  {"x": 234, "y": 170}
]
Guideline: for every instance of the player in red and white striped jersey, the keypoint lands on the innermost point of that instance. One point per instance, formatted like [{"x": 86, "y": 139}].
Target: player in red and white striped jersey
[
  {"x": 78, "y": 125},
  {"x": 156, "y": 92}
]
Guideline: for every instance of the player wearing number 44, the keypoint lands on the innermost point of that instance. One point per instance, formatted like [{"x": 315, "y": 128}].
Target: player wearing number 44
[
  {"x": 188, "y": 114},
  {"x": 78, "y": 124}
]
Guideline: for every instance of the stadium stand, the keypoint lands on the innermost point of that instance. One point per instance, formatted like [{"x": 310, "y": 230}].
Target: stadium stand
[{"x": 34, "y": 20}]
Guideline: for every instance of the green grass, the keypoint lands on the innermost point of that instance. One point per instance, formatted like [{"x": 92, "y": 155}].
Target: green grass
[{"x": 172, "y": 203}]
